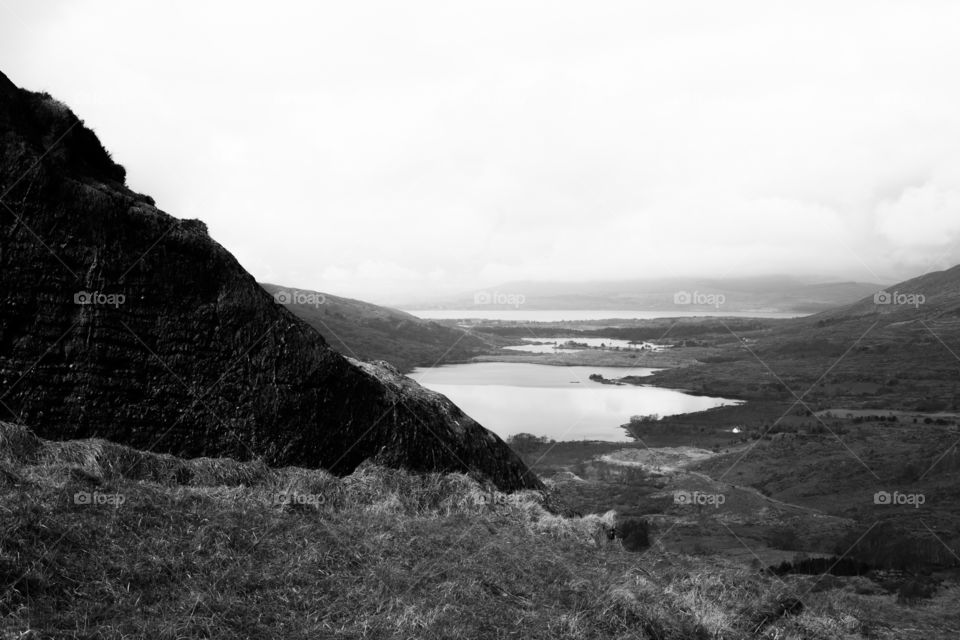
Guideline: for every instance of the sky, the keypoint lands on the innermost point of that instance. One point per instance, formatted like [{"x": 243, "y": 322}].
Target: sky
[{"x": 396, "y": 151}]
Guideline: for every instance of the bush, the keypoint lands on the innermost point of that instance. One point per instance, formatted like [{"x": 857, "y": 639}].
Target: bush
[
  {"x": 634, "y": 533},
  {"x": 913, "y": 590},
  {"x": 526, "y": 442},
  {"x": 835, "y": 566},
  {"x": 783, "y": 538}
]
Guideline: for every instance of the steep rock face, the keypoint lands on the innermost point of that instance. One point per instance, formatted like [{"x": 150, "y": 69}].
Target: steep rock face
[{"x": 120, "y": 321}]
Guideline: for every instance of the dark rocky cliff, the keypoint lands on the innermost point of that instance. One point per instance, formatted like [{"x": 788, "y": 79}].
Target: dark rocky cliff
[{"x": 120, "y": 321}]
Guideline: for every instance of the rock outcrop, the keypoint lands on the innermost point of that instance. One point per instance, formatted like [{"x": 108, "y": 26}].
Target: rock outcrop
[{"x": 120, "y": 321}]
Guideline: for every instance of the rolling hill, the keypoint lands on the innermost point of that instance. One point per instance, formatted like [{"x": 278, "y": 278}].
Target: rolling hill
[
  {"x": 898, "y": 351},
  {"x": 370, "y": 332}
]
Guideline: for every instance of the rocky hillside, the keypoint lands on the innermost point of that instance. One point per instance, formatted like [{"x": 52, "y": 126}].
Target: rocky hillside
[
  {"x": 371, "y": 332},
  {"x": 120, "y": 321}
]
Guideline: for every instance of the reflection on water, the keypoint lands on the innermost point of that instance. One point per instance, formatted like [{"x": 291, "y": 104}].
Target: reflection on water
[{"x": 558, "y": 402}]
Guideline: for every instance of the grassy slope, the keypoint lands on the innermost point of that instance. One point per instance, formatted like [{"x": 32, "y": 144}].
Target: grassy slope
[
  {"x": 201, "y": 549},
  {"x": 369, "y": 332},
  {"x": 865, "y": 355}
]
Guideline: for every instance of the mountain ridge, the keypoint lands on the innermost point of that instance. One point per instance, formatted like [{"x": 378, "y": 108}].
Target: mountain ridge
[
  {"x": 935, "y": 294},
  {"x": 782, "y": 294}
]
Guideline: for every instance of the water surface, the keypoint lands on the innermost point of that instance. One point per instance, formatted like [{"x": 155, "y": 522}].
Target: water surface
[
  {"x": 558, "y": 345},
  {"x": 559, "y": 402}
]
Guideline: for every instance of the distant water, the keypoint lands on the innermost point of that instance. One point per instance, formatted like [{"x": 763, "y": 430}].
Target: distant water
[
  {"x": 558, "y": 402},
  {"x": 556, "y": 345},
  {"x": 557, "y": 315}
]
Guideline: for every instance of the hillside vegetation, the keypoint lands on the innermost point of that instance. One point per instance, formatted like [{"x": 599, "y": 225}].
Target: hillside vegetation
[
  {"x": 103, "y": 541},
  {"x": 370, "y": 332},
  {"x": 896, "y": 353}
]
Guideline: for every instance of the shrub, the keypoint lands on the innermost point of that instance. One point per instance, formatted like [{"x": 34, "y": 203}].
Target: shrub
[
  {"x": 913, "y": 590},
  {"x": 783, "y": 538},
  {"x": 524, "y": 443},
  {"x": 635, "y": 534}
]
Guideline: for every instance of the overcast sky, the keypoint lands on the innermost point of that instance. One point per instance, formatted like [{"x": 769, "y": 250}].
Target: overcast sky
[{"x": 395, "y": 150}]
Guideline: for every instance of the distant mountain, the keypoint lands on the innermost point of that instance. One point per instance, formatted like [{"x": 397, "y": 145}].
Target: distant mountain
[
  {"x": 783, "y": 294},
  {"x": 898, "y": 348},
  {"x": 911, "y": 324},
  {"x": 120, "y": 321},
  {"x": 933, "y": 297},
  {"x": 371, "y": 332}
]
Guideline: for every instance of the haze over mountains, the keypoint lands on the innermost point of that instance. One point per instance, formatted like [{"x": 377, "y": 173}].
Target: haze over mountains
[
  {"x": 778, "y": 294},
  {"x": 120, "y": 321}
]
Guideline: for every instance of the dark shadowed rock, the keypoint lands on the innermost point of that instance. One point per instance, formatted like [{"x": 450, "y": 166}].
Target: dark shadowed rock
[{"x": 120, "y": 321}]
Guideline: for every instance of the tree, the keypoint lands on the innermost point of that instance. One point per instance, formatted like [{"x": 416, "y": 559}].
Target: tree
[
  {"x": 634, "y": 533},
  {"x": 524, "y": 443},
  {"x": 637, "y": 424}
]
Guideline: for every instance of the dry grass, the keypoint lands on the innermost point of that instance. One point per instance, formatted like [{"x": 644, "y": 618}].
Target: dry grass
[{"x": 221, "y": 549}]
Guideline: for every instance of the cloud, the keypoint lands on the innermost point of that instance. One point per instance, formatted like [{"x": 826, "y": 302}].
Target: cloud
[
  {"x": 381, "y": 149},
  {"x": 921, "y": 217}
]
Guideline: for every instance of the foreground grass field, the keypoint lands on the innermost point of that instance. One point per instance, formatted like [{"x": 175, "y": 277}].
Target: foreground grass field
[{"x": 102, "y": 541}]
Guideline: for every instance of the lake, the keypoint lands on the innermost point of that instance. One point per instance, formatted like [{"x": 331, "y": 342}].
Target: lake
[
  {"x": 558, "y": 315},
  {"x": 556, "y": 345},
  {"x": 558, "y": 402}
]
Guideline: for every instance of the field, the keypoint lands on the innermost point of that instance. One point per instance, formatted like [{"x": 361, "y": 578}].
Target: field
[{"x": 846, "y": 445}]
